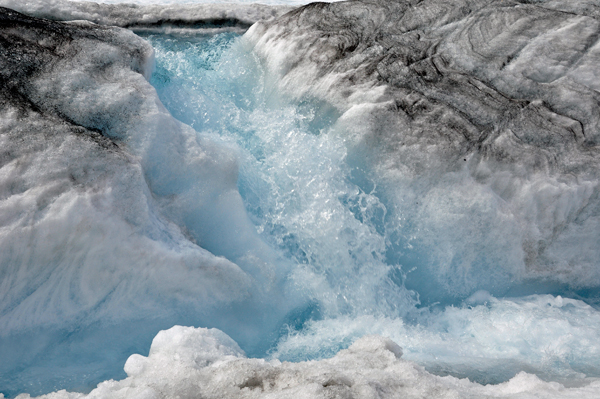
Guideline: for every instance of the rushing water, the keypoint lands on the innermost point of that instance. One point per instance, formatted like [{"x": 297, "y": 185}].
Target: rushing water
[
  {"x": 298, "y": 187},
  {"x": 332, "y": 246},
  {"x": 348, "y": 260}
]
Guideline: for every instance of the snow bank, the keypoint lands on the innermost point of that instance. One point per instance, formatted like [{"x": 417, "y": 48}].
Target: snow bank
[{"x": 185, "y": 362}]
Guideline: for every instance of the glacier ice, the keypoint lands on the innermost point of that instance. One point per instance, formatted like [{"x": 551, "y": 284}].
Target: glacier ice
[
  {"x": 176, "y": 17},
  {"x": 424, "y": 171},
  {"x": 97, "y": 180},
  {"x": 491, "y": 104}
]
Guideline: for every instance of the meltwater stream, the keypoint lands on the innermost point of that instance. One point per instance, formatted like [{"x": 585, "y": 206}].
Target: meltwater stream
[
  {"x": 352, "y": 251},
  {"x": 295, "y": 180},
  {"x": 320, "y": 237}
]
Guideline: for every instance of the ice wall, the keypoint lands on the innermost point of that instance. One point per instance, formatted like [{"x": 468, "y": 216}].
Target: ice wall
[
  {"x": 109, "y": 208},
  {"x": 479, "y": 120}
]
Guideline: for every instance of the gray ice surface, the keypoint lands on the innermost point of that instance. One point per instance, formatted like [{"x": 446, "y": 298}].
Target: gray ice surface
[{"x": 502, "y": 93}]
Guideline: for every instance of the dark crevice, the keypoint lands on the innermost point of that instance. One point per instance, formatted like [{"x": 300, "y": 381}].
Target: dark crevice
[{"x": 185, "y": 24}]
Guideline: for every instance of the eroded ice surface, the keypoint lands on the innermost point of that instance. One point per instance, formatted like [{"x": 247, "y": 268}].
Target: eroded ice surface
[
  {"x": 415, "y": 171},
  {"x": 97, "y": 183},
  {"x": 492, "y": 104}
]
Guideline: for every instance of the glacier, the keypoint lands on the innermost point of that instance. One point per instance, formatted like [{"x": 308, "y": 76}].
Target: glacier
[{"x": 348, "y": 199}]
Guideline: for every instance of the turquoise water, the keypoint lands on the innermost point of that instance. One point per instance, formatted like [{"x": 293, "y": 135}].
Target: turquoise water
[
  {"x": 353, "y": 267},
  {"x": 336, "y": 248}
]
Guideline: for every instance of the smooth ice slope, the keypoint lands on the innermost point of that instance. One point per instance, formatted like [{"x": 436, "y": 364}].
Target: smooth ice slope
[{"x": 105, "y": 200}]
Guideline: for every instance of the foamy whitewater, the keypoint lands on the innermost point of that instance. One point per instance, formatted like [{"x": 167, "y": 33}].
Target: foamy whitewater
[{"x": 366, "y": 199}]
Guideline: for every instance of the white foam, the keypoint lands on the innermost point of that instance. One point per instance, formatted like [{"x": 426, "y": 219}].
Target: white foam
[{"x": 491, "y": 341}]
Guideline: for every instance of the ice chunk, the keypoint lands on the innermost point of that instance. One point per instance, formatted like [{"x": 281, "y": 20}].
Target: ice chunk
[{"x": 187, "y": 363}]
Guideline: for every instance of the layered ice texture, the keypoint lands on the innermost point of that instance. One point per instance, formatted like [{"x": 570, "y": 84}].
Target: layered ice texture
[
  {"x": 105, "y": 197},
  {"x": 491, "y": 104},
  {"x": 422, "y": 171}
]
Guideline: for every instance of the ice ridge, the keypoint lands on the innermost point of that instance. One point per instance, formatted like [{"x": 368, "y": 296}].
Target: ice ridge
[
  {"x": 96, "y": 177},
  {"x": 152, "y": 16}
]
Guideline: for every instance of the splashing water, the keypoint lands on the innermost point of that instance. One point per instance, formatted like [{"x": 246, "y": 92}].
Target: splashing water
[
  {"x": 351, "y": 243},
  {"x": 294, "y": 178},
  {"x": 334, "y": 246}
]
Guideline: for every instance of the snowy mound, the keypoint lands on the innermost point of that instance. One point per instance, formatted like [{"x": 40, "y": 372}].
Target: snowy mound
[
  {"x": 80, "y": 132},
  {"x": 96, "y": 185},
  {"x": 190, "y": 363}
]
